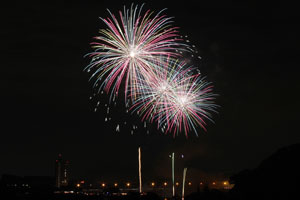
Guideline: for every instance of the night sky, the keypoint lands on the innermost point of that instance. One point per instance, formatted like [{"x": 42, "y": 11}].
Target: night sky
[{"x": 249, "y": 52}]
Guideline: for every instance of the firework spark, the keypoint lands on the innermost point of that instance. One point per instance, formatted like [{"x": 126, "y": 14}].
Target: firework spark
[{"x": 128, "y": 47}]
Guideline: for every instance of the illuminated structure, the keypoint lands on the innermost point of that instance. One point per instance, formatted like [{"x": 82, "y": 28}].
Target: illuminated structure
[{"x": 61, "y": 172}]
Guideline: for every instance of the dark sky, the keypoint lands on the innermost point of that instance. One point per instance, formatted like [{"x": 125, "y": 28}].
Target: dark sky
[{"x": 249, "y": 52}]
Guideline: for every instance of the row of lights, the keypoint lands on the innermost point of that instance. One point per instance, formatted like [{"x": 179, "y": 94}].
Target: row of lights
[
  {"x": 165, "y": 184},
  {"x": 225, "y": 183},
  {"x": 103, "y": 184}
]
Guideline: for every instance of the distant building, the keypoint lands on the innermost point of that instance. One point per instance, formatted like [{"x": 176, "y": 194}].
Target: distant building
[
  {"x": 65, "y": 175},
  {"x": 61, "y": 172}
]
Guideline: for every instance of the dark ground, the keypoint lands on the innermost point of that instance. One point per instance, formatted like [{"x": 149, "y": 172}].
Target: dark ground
[{"x": 277, "y": 177}]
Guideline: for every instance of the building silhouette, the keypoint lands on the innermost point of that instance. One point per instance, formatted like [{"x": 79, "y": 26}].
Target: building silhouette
[{"x": 61, "y": 172}]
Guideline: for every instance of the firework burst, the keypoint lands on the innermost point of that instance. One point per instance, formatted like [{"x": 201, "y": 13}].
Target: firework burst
[
  {"x": 175, "y": 98},
  {"x": 143, "y": 51},
  {"x": 128, "y": 47}
]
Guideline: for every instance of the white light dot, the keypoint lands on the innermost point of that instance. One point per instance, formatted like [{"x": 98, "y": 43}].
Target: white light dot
[{"x": 132, "y": 54}]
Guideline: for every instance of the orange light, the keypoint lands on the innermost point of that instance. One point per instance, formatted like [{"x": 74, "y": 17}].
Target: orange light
[
  {"x": 190, "y": 183},
  {"x": 103, "y": 184},
  {"x": 78, "y": 185},
  {"x": 116, "y": 184},
  {"x": 128, "y": 184},
  {"x": 152, "y": 184},
  {"x": 177, "y": 183},
  {"x": 165, "y": 183},
  {"x": 201, "y": 183},
  {"x": 214, "y": 183},
  {"x": 225, "y": 183}
]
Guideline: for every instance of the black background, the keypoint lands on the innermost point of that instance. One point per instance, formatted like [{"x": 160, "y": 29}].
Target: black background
[{"x": 248, "y": 50}]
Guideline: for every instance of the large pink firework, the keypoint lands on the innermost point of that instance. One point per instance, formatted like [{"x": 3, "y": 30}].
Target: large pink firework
[{"x": 128, "y": 48}]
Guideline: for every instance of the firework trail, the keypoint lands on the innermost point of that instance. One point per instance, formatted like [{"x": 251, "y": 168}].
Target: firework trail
[
  {"x": 140, "y": 170},
  {"x": 128, "y": 48},
  {"x": 175, "y": 98},
  {"x": 183, "y": 182},
  {"x": 173, "y": 175}
]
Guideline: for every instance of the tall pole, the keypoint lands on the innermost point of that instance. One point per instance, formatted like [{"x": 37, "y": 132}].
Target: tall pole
[
  {"x": 173, "y": 175},
  {"x": 140, "y": 169},
  {"x": 183, "y": 182}
]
